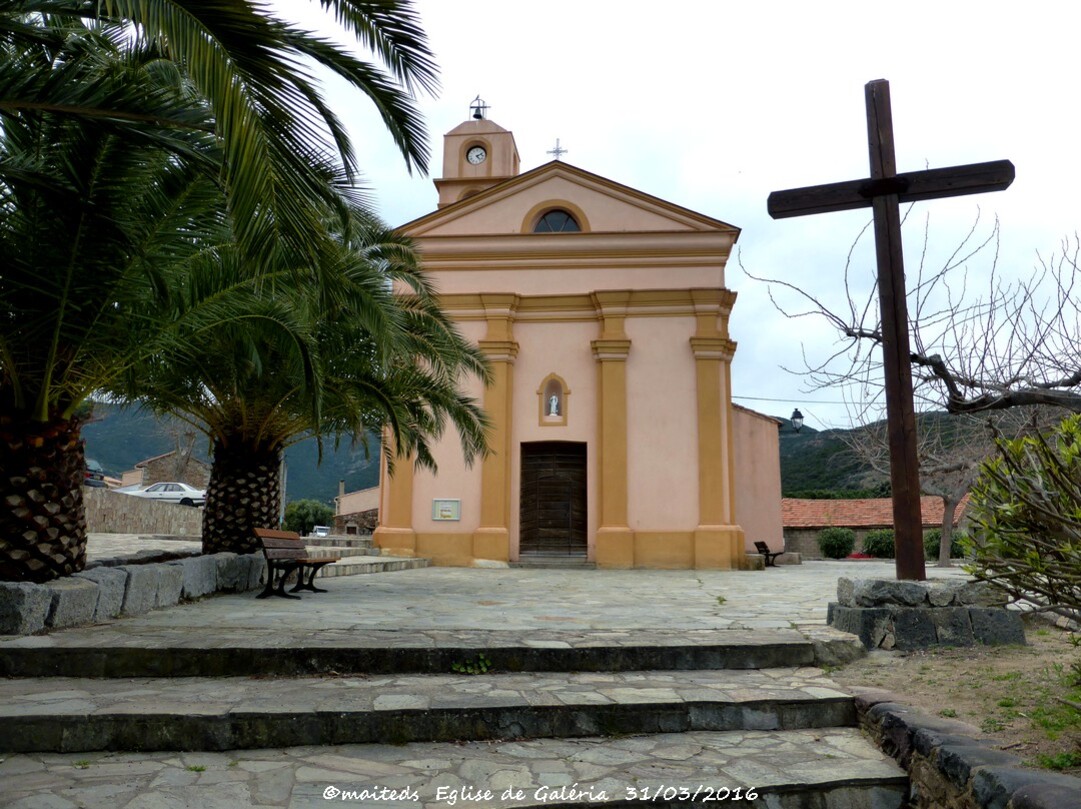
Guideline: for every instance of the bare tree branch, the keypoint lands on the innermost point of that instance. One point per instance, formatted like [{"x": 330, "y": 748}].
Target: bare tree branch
[{"x": 1016, "y": 345}]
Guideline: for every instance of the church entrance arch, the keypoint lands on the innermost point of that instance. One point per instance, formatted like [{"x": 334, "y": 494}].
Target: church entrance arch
[{"x": 553, "y": 503}]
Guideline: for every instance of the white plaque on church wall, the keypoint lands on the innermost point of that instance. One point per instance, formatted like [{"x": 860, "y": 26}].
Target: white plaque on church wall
[{"x": 446, "y": 509}]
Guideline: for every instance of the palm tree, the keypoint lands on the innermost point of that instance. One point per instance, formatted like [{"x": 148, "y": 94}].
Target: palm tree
[
  {"x": 334, "y": 353},
  {"x": 267, "y": 109},
  {"x": 92, "y": 217},
  {"x": 124, "y": 152}
]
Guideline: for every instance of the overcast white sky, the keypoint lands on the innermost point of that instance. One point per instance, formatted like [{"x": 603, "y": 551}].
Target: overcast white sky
[{"x": 712, "y": 105}]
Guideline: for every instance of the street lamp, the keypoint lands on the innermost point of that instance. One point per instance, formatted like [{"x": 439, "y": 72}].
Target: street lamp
[{"x": 797, "y": 420}]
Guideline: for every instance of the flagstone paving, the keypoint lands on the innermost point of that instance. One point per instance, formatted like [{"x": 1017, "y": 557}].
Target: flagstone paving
[
  {"x": 64, "y": 714},
  {"x": 539, "y": 772},
  {"x": 830, "y": 767},
  {"x": 528, "y": 599}
]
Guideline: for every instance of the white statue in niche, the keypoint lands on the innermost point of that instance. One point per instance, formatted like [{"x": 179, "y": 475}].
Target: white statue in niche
[{"x": 553, "y": 405}]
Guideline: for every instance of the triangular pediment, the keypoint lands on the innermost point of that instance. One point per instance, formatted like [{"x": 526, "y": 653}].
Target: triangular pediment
[{"x": 603, "y": 206}]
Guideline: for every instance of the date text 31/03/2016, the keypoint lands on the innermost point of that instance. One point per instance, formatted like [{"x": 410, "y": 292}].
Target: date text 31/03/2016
[{"x": 702, "y": 793}]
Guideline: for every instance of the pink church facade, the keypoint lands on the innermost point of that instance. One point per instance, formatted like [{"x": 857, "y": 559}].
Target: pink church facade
[{"x": 604, "y": 312}]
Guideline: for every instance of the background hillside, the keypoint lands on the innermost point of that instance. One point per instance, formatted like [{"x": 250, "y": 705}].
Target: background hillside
[
  {"x": 118, "y": 438},
  {"x": 818, "y": 463}
]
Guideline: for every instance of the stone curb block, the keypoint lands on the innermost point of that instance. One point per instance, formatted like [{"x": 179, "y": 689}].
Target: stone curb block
[
  {"x": 231, "y": 572},
  {"x": 111, "y": 584},
  {"x": 933, "y": 593},
  {"x": 72, "y": 602},
  {"x": 23, "y": 608},
  {"x": 200, "y": 576},
  {"x": 942, "y": 755},
  {"x": 170, "y": 584},
  {"x": 141, "y": 589},
  {"x": 256, "y": 571},
  {"x": 1042, "y": 796},
  {"x": 107, "y": 590}
]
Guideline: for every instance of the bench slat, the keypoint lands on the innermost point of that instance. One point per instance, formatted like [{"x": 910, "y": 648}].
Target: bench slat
[
  {"x": 274, "y": 533},
  {"x": 296, "y": 554},
  {"x": 269, "y": 542}
]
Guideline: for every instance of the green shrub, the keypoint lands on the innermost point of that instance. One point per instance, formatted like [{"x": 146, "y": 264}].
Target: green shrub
[
  {"x": 879, "y": 543},
  {"x": 302, "y": 515},
  {"x": 836, "y": 543},
  {"x": 932, "y": 542},
  {"x": 1026, "y": 506}
]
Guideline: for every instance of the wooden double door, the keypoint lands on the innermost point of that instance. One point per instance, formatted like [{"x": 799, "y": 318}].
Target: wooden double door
[{"x": 553, "y": 505}]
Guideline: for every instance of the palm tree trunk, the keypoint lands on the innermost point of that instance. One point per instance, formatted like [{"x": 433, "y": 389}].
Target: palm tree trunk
[
  {"x": 42, "y": 517},
  {"x": 244, "y": 493}
]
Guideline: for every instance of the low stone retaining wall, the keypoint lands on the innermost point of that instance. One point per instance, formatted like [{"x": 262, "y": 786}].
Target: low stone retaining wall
[
  {"x": 907, "y": 615},
  {"x": 951, "y": 769},
  {"x": 105, "y": 591},
  {"x": 109, "y": 512}
]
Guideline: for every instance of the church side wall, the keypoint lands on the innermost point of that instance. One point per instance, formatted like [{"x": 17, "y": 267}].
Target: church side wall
[
  {"x": 755, "y": 443},
  {"x": 662, "y": 440}
]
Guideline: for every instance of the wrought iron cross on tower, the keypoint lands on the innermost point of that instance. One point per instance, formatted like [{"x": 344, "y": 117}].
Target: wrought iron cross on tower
[{"x": 882, "y": 192}]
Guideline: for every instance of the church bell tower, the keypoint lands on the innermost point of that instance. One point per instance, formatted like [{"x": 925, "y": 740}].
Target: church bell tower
[{"x": 477, "y": 154}]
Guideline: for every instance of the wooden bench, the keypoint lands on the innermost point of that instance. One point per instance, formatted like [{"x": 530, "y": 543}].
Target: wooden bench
[
  {"x": 763, "y": 549},
  {"x": 285, "y": 553}
]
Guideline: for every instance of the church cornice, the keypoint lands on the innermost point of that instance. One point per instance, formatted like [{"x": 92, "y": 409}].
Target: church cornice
[
  {"x": 546, "y": 250},
  {"x": 588, "y": 307}
]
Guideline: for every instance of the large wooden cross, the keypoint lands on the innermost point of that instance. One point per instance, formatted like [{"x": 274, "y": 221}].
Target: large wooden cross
[{"x": 883, "y": 191}]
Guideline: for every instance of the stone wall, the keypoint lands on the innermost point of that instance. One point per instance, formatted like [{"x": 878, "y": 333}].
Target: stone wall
[
  {"x": 357, "y": 522},
  {"x": 950, "y": 767},
  {"x": 109, "y": 512},
  {"x": 907, "y": 615},
  {"x": 104, "y": 591},
  {"x": 804, "y": 541}
]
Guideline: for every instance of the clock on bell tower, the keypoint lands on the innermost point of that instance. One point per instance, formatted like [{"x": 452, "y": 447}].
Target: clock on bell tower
[{"x": 477, "y": 154}]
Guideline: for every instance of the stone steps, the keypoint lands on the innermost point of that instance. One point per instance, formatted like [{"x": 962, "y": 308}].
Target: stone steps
[
  {"x": 831, "y": 768},
  {"x": 359, "y": 565},
  {"x": 195, "y": 713},
  {"x": 356, "y": 542},
  {"x": 110, "y": 651},
  {"x": 554, "y": 561},
  {"x": 281, "y": 711},
  {"x": 343, "y": 553}
]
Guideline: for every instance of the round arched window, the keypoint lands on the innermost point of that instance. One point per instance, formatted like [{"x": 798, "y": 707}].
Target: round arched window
[{"x": 557, "y": 221}]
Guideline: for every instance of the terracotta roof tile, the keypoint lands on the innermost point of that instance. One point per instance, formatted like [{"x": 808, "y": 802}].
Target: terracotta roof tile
[{"x": 877, "y": 513}]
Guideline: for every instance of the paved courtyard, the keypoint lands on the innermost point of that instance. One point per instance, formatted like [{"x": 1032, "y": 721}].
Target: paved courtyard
[
  {"x": 420, "y": 607},
  {"x": 518, "y": 598}
]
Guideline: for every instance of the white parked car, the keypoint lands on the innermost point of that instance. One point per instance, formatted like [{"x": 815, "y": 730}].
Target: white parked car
[
  {"x": 321, "y": 531},
  {"x": 180, "y": 493}
]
